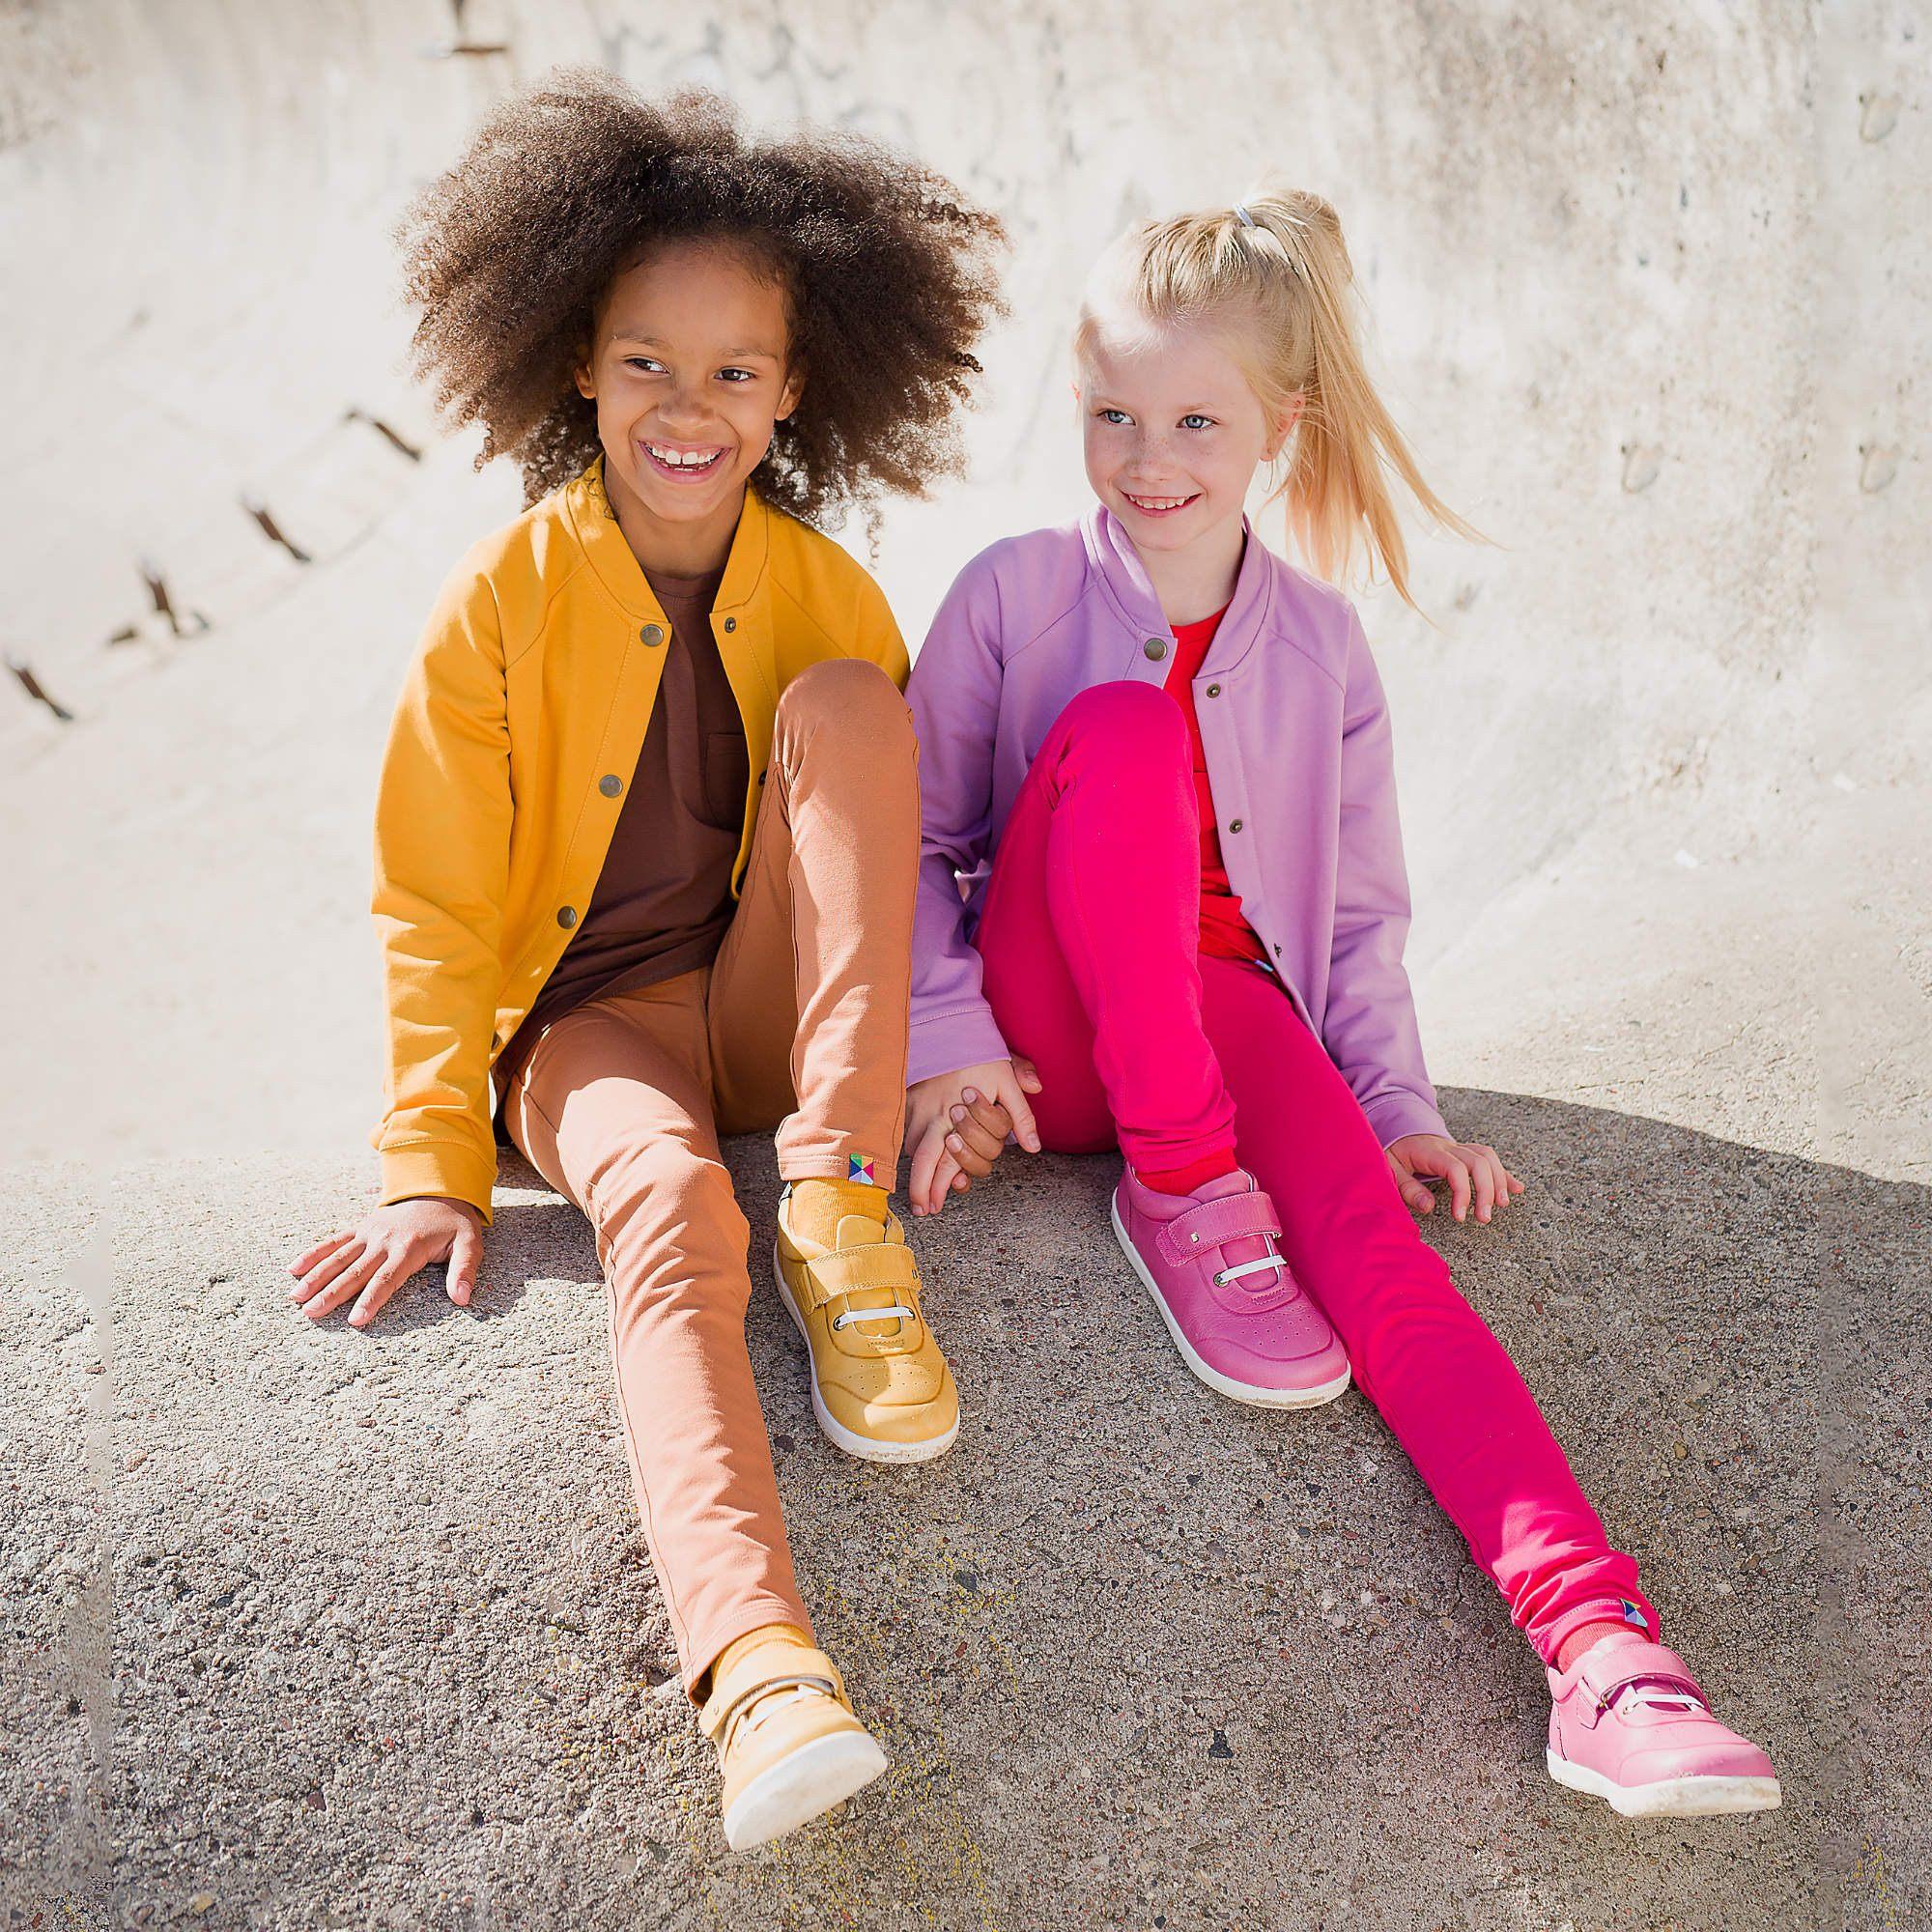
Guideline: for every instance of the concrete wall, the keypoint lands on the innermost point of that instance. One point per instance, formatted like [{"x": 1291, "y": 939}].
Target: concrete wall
[{"x": 1649, "y": 294}]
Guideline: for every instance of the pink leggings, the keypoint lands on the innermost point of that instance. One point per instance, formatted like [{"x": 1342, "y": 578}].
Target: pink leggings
[{"x": 1090, "y": 937}]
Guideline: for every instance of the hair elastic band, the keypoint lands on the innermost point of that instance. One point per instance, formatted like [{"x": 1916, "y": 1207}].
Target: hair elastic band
[{"x": 1247, "y": 219}]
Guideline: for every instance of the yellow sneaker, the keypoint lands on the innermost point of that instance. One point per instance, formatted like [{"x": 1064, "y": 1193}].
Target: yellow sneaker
[
  {"x": 880, "y": 1387},
  {"x": 788, "y": 1744}
]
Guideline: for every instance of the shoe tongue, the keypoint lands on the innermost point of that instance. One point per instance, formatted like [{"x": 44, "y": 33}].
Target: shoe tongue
[
  {"x": 1251, "y": 1247},
  {"x": 858, "y": 1230}
]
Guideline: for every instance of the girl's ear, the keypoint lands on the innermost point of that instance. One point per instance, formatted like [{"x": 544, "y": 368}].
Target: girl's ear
[
  {"x": 794, "y": 388},
  {"x": 586, "y": 383},
  {"x": 1284, "y": 426}
]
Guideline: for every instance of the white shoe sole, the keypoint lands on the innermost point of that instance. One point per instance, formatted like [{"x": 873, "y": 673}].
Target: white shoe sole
[
  {"x": 798, "y": 1788},
  {"x": 1247, "y": 1392},
  {"x": 834, "y": 1432},
  {"x": 1669, "y": 1796}
]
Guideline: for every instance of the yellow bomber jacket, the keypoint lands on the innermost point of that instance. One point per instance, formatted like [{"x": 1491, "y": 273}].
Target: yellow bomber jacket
[{"x": 517, "y": 730}]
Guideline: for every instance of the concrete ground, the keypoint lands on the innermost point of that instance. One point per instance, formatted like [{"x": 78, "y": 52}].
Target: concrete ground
[
  {"x": 317, "y": 1628},
  {"x": 312, "y": 1627}
]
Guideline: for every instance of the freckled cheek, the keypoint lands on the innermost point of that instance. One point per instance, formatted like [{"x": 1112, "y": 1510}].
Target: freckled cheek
[{"x": 1107, "y": 457}]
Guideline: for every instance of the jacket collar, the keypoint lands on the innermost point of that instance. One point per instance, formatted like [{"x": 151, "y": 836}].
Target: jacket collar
[
  {"x": 1125, "y": 586},
  {"x": 610, "y": 556}
]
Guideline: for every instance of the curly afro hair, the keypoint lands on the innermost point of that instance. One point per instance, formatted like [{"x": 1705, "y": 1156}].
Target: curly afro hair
[{"x": 887, "y": 272}]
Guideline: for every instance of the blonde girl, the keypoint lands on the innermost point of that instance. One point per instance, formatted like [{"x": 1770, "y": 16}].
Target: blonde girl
[{"x": 1157, "y": 758}]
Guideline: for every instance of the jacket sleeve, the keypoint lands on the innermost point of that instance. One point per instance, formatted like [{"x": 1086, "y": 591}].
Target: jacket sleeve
[
  {"x": 1369, "y": 1026},
  {"x": 955, "y": 694},
  {"x": 441, "y": 870}
]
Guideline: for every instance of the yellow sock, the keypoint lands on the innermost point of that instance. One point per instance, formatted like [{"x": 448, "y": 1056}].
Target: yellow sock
[
  {"x": 817, "y": 1206},
  {"x": 752, "y": 1640}
]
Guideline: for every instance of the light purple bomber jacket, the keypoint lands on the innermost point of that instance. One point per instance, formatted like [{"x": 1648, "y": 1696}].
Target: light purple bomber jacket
[{"x": 1296, "y": 731}]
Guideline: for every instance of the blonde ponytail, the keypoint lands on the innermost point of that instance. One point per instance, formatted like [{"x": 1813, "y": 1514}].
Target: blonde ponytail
[{"x": 1276, "y": 269}]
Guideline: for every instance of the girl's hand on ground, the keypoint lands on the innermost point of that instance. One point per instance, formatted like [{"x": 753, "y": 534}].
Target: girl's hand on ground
[
  {"x": 384, "y": 1249},
  {"x": 958, "y": 1126},
  {"x": 1474, "y": 1172}
]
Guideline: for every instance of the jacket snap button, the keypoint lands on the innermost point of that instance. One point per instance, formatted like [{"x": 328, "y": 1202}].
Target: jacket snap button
[
  {"x": 1235, "y": 825},
  {"x": 566, "y": 916},
  {"x": 731, "y": 623},
  {"x": 609, "y": 784},
  {"x": 1214, "y": 691},
  {"x": 1155, "y": 648},
  {"x": 652, "y": 633}
]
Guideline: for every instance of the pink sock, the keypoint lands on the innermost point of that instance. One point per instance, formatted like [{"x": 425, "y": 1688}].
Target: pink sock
[{"x": 1578, "y": 1641}]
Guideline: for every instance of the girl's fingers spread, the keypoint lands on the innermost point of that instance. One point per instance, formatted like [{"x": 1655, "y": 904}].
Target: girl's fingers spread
[
  {"x": 1482, "y": 1187},
  {"x": 344, "y": 1288},
  {"x": 327, "y": 1271},
  {"x": 1499, "y": 1180},
  {"x": 1459, "y": 1187},
  {"x": 316, "y": 1253},
  {"x": 385, "y": 1283},
  {"x": 306, "y": 1268}
]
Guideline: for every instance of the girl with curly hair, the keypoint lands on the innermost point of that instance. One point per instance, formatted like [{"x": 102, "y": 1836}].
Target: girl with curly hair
[
  {"x": 646, "y": 839},
  {"x": 1159, "y": 756}
]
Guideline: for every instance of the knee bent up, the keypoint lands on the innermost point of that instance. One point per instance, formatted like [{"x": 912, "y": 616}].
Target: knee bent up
[
  {"x": 1139, "y": 720},
  {"x": 847, "y": 694}
]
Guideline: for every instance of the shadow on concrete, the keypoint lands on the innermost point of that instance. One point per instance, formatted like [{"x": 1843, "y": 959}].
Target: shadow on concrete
[{"x": 387, "y": 1650}]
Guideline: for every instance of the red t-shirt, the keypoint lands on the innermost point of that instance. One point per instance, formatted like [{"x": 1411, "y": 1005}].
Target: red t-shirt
[{"x": 1223, "y": 933}]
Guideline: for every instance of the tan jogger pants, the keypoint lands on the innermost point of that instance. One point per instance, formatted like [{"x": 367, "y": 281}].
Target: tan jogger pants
[{"x": 800, "y": 1024}]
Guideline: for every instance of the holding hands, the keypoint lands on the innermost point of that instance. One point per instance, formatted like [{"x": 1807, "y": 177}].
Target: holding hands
[
  {"x": 958, "y": 1124},
  {"x": 1476, "y": 1173}
]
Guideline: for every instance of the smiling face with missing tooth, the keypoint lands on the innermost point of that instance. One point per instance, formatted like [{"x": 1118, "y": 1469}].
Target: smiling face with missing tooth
[{"x": 690, "y": 370}]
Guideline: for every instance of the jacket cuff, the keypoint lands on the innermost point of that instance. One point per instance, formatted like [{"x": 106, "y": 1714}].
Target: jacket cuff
[
  {"x": 945, "y": 1042},
  {"x": 1394, "y": 1115},
  {"x": 440, "y": 1167}
]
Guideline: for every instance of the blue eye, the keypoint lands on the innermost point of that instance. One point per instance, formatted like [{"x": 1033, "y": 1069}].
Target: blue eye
[
  {"x": 1196, "y": 420},
  {"x": 1112, "y": 416}
]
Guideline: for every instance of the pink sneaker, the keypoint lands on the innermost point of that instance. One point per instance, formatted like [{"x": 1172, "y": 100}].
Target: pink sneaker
[
  {"x": 1237, "y": 1316},
  {"x": 1628, "y": 1724}
]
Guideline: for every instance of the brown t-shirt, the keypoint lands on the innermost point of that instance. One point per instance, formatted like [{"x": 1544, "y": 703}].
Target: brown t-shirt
[{"x": 663, "y": 900}]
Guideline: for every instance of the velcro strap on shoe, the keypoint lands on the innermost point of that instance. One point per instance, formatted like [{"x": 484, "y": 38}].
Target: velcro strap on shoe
[
  {"x": 1604, "y": 1677},
  {"x": 886, "y": 1265},
  {"x": 772, "y": 1666},
  {"x": 1233, "y": 1218}
]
